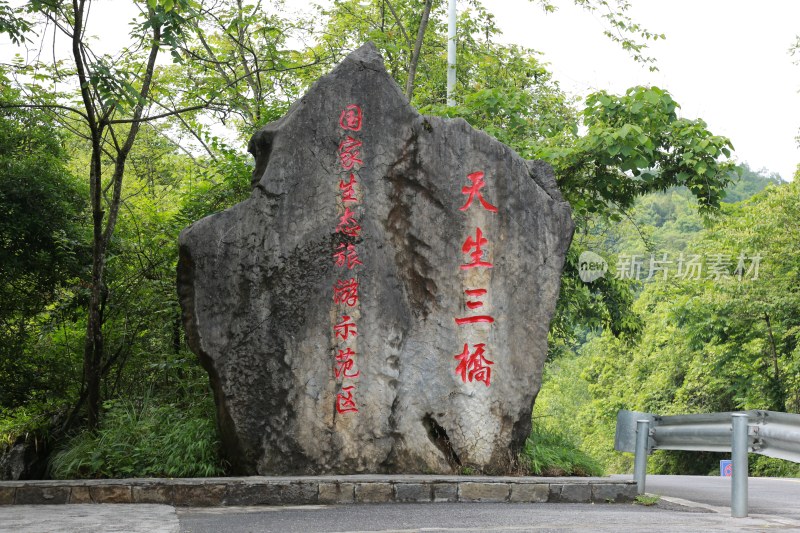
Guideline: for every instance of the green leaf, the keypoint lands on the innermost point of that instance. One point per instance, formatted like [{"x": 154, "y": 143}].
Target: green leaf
[{"x": 700, "y": 167}]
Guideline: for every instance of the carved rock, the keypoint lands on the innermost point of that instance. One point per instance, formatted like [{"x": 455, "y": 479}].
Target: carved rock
[{"x": 353, "y": 185}]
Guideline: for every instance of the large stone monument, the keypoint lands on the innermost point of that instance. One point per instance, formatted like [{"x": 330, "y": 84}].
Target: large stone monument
[{"x": 381, "y": 301}]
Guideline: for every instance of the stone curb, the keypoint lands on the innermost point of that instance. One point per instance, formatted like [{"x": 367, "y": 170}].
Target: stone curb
[{"x": 310, "y": 490}]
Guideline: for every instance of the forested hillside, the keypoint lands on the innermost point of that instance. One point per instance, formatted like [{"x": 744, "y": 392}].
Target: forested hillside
[
  {"x": 717, "y": 322},
  {"x": 105, "y": 155}
]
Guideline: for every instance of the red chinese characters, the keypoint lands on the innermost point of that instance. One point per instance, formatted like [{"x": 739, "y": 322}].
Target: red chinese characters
[
  {"x": 345, "y": 329},
  {"x": 474, "y": 190},
  {"x": 346, "y": 292},
  {"x": 348, "y": 225},
  {"x": 474, "y": 319},
  {"x": 474, "y": 247},
  {"x": 473, "y": 365},
  {"x": 344, "y": 364},
  {"x": 350, "y": 119},
  {"x": 348, "y": 189},
  {"x": 345, "y": 402},
  {"x": 474, "y": 304},
  {"x": 346, "y": 257},
  {"x": 349, "y": 153}
]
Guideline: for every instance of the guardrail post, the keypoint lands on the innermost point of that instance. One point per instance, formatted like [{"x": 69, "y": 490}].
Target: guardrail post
[
  {"x": 739, "y": 448},
  {"x": 640, "y": 459}
]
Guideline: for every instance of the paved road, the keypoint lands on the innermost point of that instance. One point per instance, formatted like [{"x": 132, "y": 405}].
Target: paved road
[
  {"x": 778, "y": 497},
  {"x": 463, "y": 517},
  {"x": 383, "y": 518},
  {"x": 88, "y": 518}
]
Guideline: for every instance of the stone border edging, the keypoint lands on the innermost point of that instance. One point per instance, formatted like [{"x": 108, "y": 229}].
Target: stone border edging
[{"x": 311, "y": 490}]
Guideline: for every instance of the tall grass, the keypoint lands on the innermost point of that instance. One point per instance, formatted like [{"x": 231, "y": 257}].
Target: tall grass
[
  {"x": 144, "y": 439},
  {"x": 550, "y": 452}
]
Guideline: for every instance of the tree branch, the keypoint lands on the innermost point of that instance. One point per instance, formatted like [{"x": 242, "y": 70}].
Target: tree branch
[
  {"x": 209, "y": 103},
  {"x": 412, "y": 67},
  {"x": 119, "y": 166},
  {"x": 399, "y": 23},
  {"x": 161, "y": 115},
  {"x": 46, "y": 106},
  {"x": 80, "y": 68}
]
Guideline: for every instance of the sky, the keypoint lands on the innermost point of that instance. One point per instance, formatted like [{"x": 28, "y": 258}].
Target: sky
[{"x": 725, "y": 61}]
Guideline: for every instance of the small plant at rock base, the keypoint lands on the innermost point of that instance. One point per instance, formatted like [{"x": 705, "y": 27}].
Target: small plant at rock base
[{"x": 646, "y": 499}]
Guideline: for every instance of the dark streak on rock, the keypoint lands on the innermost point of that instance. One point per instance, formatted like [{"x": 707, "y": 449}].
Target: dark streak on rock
[{"x": 413, "y": 267}]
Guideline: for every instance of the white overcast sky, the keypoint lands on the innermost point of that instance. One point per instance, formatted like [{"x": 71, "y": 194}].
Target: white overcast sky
[{"x": 725, "y": 61}]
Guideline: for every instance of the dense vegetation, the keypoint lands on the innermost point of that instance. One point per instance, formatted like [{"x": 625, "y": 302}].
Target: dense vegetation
[
  {"x": 106, "y": 155},
  {"x": 721, "y": 339}
]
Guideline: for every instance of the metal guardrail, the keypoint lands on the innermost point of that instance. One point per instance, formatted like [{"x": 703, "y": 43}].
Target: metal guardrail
[{"x": 763, "y": 432}]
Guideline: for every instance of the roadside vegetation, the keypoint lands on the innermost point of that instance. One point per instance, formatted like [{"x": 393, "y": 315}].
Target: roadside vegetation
[{"x": 699, "y": 345}]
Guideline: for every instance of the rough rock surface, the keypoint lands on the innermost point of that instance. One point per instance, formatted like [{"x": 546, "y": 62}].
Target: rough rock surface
[
  {"x": 25, "y": 459},
  {"x": 258, "y": 282}
]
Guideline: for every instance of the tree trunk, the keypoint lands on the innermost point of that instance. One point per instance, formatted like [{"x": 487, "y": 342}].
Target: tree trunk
[
  {"x": 93, "y": 349},
  {"x": 97, "y": 120},
  {"x": 412, "y": 67},
  {"x": 780, "y": 395}
]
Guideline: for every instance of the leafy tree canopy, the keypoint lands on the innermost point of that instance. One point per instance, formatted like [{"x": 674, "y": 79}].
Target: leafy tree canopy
[{"x": 42, "y": 241}]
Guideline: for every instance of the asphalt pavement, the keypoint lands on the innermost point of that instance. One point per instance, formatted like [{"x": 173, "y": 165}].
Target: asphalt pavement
[
  {"x": 89, "y": 518},
  {"x": 461, "y": 517},
  {"x": 775, "y": 497}
]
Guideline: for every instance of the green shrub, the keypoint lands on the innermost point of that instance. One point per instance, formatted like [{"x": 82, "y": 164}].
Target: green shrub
[
  {"x": 763, "y": 466},
  {"x": 144, "y": 439},
  {"x": 550, "y": 452},
  {"x": 685, "y": 463},
  {"x": 20, "y": 422}
]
